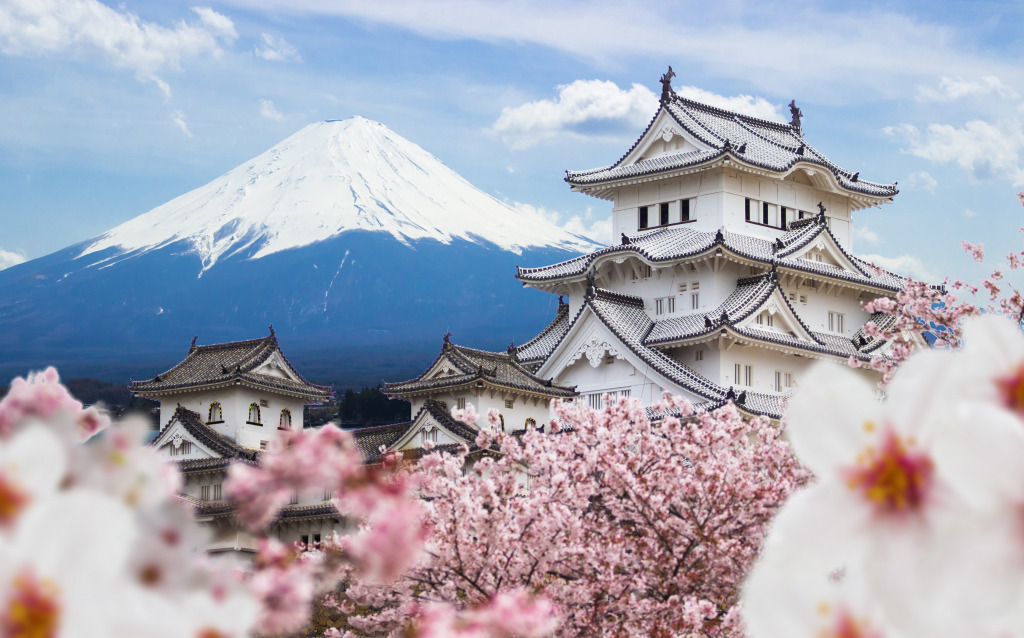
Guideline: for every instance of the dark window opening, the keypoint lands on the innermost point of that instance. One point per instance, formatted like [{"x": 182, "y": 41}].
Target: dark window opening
[
  {"x": 664, "y": 214},
  {"x": 748, "y": 209},
  {"x": 684, "y": 207},
  {"x": 782, "y": 218},
  {"x": 643, "y": 217},
  {"x": 764, "y": 213}
]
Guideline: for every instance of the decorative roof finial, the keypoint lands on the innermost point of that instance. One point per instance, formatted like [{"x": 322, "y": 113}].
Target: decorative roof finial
[
  {"x": 666, "y": 85},
  {"x": 625, "y": 239},
  {"x": 795, "y": 111},
  {"x": 448, "y": 337},
  {"x": 271, "y": 328},
  {"x": 821, "y": 208},
  {"x": 511, "y": 350},
  {"x": 194, "y": 337},
  {"x": 591, "y": 284}
]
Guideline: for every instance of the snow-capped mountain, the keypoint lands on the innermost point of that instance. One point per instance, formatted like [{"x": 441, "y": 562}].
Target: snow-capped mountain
[
  {"x": 329, "y": 178},
  {"x": 361, "y": 248}
]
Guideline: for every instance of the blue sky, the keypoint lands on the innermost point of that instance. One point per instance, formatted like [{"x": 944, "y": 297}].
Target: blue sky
[{"x": 109, "y": 110}]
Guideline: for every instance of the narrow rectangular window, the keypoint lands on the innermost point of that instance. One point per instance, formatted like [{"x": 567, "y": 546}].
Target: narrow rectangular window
[
  {"x": 664, "y": 214},
  {"x": 646, "y": 271},
  {"x": 460, "y": 403},
  {"x": 594, "y": 400},
  {"x": 509, "y": 403},
  {"x": 694, "y": 300},
  {"x": 217, "y": 492},
  {"x": 304, "y": 539},
  {"x": 624, "y": 393},
  {"x": 747, "y": 209},
  {"x": 764, "y": 213},
  {"x": 295, "y": 497},
  {"x": 695, "y": 285},
  {"x": 698, "y": 356},
  {"x": 670, "y": 303},
  {"x": 748, "y": 375},
  {"x": 682, "y": 287},
  {"x": 264, "y": 444},
  {"x": 736, "y": 374},
  {"x": 316, "y": 541},
  {"x": 204, "y": 492},
  {"x": 643, "y": 217},
  {"x": 782, "y": 218},
  {"x": 803, "y": 299},
  {"x": 264, "y": 403},
  {"x": 789, "y": 379},
  {"x": 659, "y": 306},
  {"x": 328, "y": 493},
  {"x": 778, "y": 381},
  {"x": 684, "y": 210}
]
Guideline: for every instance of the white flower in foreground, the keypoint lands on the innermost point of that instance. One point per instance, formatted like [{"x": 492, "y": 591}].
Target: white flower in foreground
[
  {"x": 62, "y": 571},
  {"x": 893, "y": 499},
  {"x": 32, "y": 464}
]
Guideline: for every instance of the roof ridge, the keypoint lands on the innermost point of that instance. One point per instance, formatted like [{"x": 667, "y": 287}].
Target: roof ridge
[{"x": 726, "y": 112}]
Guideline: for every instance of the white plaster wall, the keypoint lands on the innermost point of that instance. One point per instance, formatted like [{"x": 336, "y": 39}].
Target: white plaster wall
[
  {"x": 720, "y": 200},
  {"x": 235, "y": 401},
  {"x": 483, "y": 401}
]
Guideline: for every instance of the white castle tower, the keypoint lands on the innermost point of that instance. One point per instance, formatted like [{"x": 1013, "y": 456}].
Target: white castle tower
[{"x": 734, "y": 271}]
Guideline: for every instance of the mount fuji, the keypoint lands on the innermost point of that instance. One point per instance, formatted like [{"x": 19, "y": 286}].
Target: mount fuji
[{"x": 361, "y": 248}]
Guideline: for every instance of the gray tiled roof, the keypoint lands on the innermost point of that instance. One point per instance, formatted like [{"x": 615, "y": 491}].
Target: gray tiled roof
[
  {"x": 625, "y": 317},
  {"x": 216, "y": 442},
  {"x": 370, "y": 440},
  {"x": 541, "y": 346},
  {"x": 681, "y": 242},
  {"x": 226, "y": 363},
  {"x": 760, "y": 143},
  {"x": 496, "y": 368}
]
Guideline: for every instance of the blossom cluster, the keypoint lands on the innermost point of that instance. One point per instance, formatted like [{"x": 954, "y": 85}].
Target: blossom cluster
[
  {"x": 913, "y": 525},
  {"x": 599, "y": 524},
  {"x": 93, "y": 541}
]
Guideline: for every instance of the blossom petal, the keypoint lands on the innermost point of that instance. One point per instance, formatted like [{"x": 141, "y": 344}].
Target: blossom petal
[{"x": 826, "y": 419}]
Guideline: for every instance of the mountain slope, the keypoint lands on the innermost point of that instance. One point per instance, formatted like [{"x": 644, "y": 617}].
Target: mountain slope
[
  {"x": 360, "y": 248},
  {"x": 329, "y": 178}
]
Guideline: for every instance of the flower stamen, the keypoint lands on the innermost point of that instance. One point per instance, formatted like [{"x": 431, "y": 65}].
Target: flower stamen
[
  {"x": 32, "y": 611},
  {"x": 892, "y": 477}
]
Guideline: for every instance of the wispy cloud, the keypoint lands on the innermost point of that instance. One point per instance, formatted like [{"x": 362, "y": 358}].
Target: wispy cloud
[
  {"x": 903, "y": 264},
  {"x": 983, "y": 149},
  {"x": 956, "y": 88},
  {"x": 922, "y": 180},
  {"x": 599, "y": 230},
  {"x": 599, "y": 108},
  {"x": 269, "y": 111},
  {"x": 276, "y": 49},
  {"x": 179, "y": 120},
  {"x": 80, "y": 28},
  {"x": 866, "y": 235},
  {"x": 854, "y": 46},
  {"x": 9, "y": 258}
]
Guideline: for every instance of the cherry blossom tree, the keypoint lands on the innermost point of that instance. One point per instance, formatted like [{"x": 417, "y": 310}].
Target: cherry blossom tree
[{"x": 622, "y": 525}]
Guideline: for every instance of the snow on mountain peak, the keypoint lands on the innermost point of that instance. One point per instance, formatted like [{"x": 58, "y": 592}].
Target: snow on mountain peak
[{"x": 328, "y": 178}]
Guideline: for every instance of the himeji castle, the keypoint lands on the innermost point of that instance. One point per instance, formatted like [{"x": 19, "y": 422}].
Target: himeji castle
[{"x": 734, "y": 272}]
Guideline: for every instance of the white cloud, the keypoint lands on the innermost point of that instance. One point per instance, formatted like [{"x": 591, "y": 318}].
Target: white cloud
[
  {"x": 8, "y": 258},
  {"x": 599, "y": 230},
  {"x": 956, "y": 88},
  {"x": 907, "y": 265},
  {"x": 584, "y": 102},
  {"x": 985, "y": 150},
  {"x": 276, "y": 49},
  {"x": 746, "y": 104},
  {"x": 179, "y": 119},
  {"x": 968, "y": 213},
  {"x": 822, "y": 52},
  {"x": 866, "y": 235},
  {"x": 85, "y": 27},
  {"x": 922, "y": 180},
  {"x": 599, "y": 108},
  {"x": 269, "y": 111}
]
